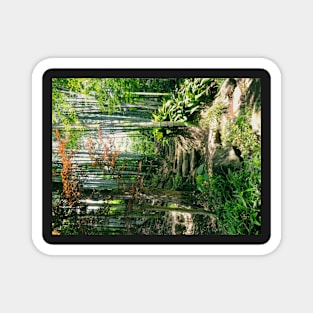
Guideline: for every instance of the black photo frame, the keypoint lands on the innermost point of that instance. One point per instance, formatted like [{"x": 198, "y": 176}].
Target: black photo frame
[{"x": 212, "y": 239}]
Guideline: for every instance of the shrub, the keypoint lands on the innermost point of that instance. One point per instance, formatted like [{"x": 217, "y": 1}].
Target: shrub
[
  {"x": 239, "y": 133},
  {"x": 234, "y": 197}
]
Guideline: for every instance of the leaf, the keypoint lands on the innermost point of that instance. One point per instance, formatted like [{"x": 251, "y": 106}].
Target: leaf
[
  {"x": 190, "y": 104},
  {"x": 168, "y": 103},
  {"x": 204, "y": 80},
  {"x": 177, "y": 117},
  {"x": 257, "y": 223},
  {"x": 199, "y": 95},
  {"x": 200, "y": 188},
  {"x": 194, "y": 109},
  {"x": 200, "y": 169},
  {"x": 199, "y": 179}
]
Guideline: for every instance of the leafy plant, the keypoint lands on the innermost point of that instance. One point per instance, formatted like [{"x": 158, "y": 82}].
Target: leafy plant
[
  {"x": 69, "y": 179},
  {"x": 213, "y": 115},
  {"x": 65, "y": 206},
  {"x": 234, "y": 197},
  {"x": 141, "y": 142},
  {"x": 188, "y": 100},
  {"x": 240, "y": 134}
]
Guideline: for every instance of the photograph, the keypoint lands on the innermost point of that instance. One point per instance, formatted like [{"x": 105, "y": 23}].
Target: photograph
[{"x": 147, "y": 156}]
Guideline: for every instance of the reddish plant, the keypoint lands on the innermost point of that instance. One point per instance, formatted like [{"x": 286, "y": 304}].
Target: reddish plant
[
  {"x": 69, "y": 180},
  {"x": 102, "y": 154}
]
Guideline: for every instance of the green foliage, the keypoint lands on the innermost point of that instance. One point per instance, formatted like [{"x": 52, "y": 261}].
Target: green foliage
[
  {"x": 213, "y": 115},
  {"x": 192, "y": 95},
  {"x": 142, "y": 143},
  {"x": 219, "y": 81},
  {"x": 159, "y": 134},
  {"x": 235, "y": 197},
  {"x": 200, "y": 169},
  {"x": 74, "y": 135},
  {"x": 63, "y": 112},
  {"x": 169, "y": 111},
  {"x": 240, "y": 134},
  {"x": 177, "y": 182},
  {"x": 110, "y": 93}
]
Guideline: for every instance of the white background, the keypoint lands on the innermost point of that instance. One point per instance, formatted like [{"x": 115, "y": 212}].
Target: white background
[{"x": 34, "y": 30}]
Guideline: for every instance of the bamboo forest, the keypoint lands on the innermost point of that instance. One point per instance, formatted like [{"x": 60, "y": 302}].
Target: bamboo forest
[{"x": 156, "y": 156}]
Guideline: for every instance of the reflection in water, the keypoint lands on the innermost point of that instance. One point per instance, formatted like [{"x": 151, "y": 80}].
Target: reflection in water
[{"x": 131, "y": 216}]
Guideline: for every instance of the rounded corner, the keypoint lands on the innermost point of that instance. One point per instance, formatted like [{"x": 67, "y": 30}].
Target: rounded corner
[
  {"x": 41, "y": 245},
  {"x": 42, "y": 67},
  {"x": 271, "y": 67},
  {"x": 271, "y": 245}
]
